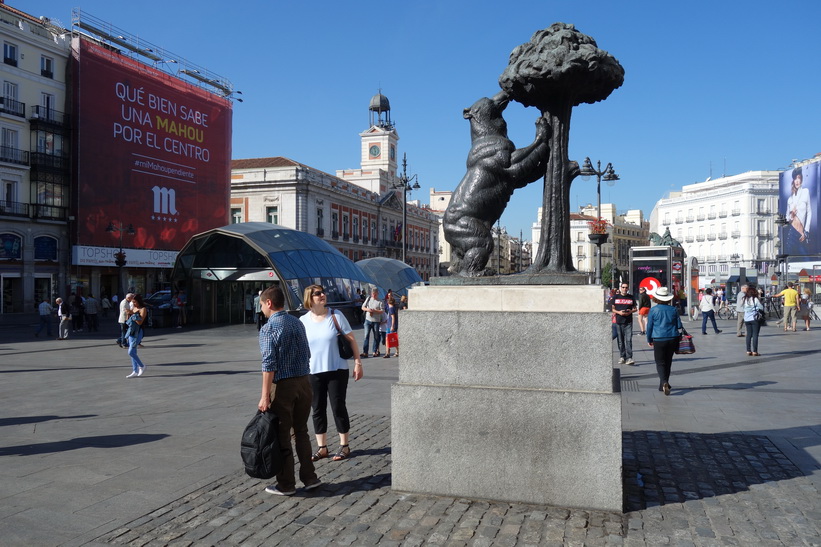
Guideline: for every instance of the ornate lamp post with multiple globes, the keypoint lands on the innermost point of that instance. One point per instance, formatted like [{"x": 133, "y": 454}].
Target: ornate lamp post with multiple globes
[
  {"x": 119, "y": 257},
  {"x": 403, "y": 183},
  {"x": 610, "y": 177}
]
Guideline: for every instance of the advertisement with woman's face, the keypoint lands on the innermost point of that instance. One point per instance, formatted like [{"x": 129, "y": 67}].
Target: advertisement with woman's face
[{"x": 798, "y": 202}]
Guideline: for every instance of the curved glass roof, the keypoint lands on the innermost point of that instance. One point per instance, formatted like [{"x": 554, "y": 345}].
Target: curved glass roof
[
  {"x": 250, "y": 250},
  {"x": 389, "y": 273}
]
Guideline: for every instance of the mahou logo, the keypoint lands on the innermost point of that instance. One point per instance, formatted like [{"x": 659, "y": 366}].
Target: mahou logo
[{"x": 164, "y": 201}]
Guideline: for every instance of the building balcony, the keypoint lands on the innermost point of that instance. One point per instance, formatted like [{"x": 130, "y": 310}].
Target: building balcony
[
  {"x": 735, "y": 234},
  {"x": 40, "y": 113},
  {"x": 700, "y": 237},
  {"x": 689, "y": 239},
  {"x": 736, "y": 212},
  {"x": 710, "y": 258},
  {"x": 691, "y": 218},
  {"x": 345, "y": 237},
  {"x": 320, "y": 232},
  {"x": 711, "y": 216},
  {"x": 700, "y": 217},
  {"x": 722, "y": 235},
  {"x": 14, "y": 209},
  {"x": 51, "y": 161},
  {"x": 10, "y": 106},
  {"x": 763, "y": 212},
  {"x": 334, "y": 234},
  {"x": 711, "y": 237},
  {"x": 679, "y": 220},
  {"x": 365, "y": 240},
  {"x": 355, "y": 239},
  {"x": 50, "y": 212},
  {"x": 722, "y": 214},
  {"x": 14, "y": 155}
]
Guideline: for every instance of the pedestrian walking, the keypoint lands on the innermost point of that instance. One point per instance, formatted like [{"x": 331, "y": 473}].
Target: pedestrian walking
[
  {"x": 373, "y": 308},
  {"x": 708, "y": 306},
  {"x": 64, "y": 316},
  {"x": 790, "y": 296},
  {"x": 329, "y": 371},
  {"x": 45, "y": 310},
  {"x": 663, "y": 333},
  {"x": 751, "y": 304},
  {"x": 125, "y": 309},
  {"x": 623, "y": 306},
  {"x": 805, "y": 307},
  {"x": 286, "y": 389},
  {"x": 739, "y": 310},
  {"x": 134, "y": 324},
  {"x": 92, "y": 308},
  {"x": 644, "y": 309},
  {"x": 392, "y": 325}
]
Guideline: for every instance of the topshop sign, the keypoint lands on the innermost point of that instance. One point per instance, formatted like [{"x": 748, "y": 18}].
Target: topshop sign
[{"x": 137, "y": 258}]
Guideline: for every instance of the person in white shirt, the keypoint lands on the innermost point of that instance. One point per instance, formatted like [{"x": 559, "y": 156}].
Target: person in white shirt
[{"x": 329, "y": 371}]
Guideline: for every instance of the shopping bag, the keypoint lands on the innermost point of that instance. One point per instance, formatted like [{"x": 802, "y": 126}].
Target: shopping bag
[
  {"x": 685, "y": 344},
  {"x": 393, "y": 340}
]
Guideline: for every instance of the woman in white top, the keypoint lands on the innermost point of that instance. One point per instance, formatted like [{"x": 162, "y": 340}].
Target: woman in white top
[
  {"x": 751, "y": 304},
  {"x": 708, "y": 307},
  {"x": 799, "y": 215},
  {"x": 329, "y": 371}
]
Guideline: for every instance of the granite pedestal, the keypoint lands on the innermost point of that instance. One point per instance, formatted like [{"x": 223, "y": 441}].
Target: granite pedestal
[{"x": 508, "y": 393}]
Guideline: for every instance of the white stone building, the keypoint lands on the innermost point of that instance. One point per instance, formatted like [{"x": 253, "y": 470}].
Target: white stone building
[
  {"x": 358, "y": 211},
  {"x": 726, "y": 222},
  {"x": 624, "y": 231},
  {"x": 34, "y": 175}
]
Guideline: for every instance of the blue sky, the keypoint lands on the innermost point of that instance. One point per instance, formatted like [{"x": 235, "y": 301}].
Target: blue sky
[{"x": 711, "y": 88}]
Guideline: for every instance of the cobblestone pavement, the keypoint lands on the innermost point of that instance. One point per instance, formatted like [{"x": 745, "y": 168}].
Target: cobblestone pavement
[{"x": 681, "y": 489}]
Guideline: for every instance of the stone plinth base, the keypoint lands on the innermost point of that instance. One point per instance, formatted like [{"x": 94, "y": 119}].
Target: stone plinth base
[{"x": 507, "y": 393}]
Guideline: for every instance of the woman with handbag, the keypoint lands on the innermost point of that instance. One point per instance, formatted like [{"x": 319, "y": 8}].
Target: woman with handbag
[
  {"x": 392, "y": 312},
  {"x": 663, "y": 326},
  {"x": 329, "y": 370},
  {"x": 753, "y": 318},
  {"x": 134, "y": 331}
]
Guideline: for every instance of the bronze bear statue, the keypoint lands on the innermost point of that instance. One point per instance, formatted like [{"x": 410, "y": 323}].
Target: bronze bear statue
[{"x": 495, "y": 168}]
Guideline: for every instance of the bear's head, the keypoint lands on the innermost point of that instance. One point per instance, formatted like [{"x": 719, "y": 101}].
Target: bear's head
[{"x": 486, "y": 116}]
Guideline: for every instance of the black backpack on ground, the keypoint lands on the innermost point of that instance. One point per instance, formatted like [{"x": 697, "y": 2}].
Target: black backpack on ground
[{"x": 260, "y": 446}]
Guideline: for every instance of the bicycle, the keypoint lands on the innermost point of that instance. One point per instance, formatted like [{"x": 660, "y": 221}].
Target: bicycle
[{"x": 727, "y": 312}]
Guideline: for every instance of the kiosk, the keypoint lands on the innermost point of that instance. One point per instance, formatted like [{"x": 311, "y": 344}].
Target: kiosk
[{"x": 664, "y": 266}]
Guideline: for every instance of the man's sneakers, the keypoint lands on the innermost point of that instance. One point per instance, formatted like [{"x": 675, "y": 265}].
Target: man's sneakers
[
  {"x": 140, "y": 372},
  {"x": 316, "y": 483},
  {"x": 630, "y": 362},
  {"x": 621, "y": 361},
  {"x": 274, "y": 489},
  {"x": 133, "y": 375}
]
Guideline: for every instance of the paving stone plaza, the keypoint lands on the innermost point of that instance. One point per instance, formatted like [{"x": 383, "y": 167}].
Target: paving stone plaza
[{"x": 87, "y": 457}]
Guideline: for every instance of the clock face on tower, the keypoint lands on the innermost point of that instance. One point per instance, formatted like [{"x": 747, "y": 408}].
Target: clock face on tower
[{"x": 374, "y": 151}]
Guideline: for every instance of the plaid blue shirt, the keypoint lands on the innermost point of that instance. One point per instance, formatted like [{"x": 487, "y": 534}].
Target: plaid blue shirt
[{"x": 284, "y": 347}]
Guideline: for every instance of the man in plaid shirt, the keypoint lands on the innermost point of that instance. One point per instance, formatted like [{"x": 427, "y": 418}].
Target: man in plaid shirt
[{"x": 286, "y": 389}]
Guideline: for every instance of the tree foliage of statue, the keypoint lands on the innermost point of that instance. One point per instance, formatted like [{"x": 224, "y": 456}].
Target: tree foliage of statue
[{"x": 556, "y": 70}]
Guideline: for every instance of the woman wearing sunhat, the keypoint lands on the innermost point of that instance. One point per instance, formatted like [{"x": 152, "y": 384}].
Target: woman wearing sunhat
[{"x": 663, "y": 326}]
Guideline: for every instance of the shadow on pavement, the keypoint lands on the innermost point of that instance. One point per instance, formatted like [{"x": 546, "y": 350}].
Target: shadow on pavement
[
  {"x": 663, "y": 467},
  {"x": 101, "y": 441},
  {"x": 20, "y": 420}
]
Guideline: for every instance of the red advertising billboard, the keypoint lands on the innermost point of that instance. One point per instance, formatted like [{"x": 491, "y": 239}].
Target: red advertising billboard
[{"x": 151, "y": 151}]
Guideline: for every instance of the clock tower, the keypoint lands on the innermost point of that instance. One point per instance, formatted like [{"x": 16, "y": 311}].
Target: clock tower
[{"x": 380, "y": 140}]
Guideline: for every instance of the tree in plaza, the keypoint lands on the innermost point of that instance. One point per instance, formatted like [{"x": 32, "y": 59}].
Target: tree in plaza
[{"x": 556, "y": 70}]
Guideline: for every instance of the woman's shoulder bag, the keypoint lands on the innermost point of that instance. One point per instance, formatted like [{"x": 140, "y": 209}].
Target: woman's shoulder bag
[{"x": 345, "y": 349}]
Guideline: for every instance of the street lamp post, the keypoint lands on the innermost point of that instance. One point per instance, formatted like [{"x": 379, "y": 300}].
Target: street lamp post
[
  {"x": 404, "y": 184},
  {"x": 610, "y": 177},
  {"x": 781, "y": 257},
  {"x": 119, "y": 258}
]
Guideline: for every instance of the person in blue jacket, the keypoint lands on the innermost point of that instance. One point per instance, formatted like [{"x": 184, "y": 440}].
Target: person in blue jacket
[{"x": 663, "y": 325}]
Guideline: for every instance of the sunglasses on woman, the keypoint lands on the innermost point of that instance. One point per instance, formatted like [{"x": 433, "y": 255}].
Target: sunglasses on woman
[{"x": 317, "y": 293}]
